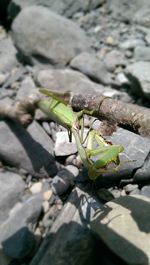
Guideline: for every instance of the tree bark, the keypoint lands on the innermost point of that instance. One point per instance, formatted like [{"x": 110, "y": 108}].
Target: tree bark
[
  {"x": 130, "y": 116},
  {"x": 124, "y": 114}
]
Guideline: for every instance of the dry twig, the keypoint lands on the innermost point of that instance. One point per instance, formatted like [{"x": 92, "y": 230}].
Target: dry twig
[{"x": 124, "y": 114}]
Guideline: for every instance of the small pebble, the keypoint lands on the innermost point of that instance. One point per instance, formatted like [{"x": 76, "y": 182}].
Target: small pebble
[
  {"x": 146, "y": 191},
  {"x": 46, "y": 127},
  {"x": 115, "y": 192},
  {"x": 69, "y": 159},
  {"x": 130, "y": 187},
  {"x": 109, "y": 40},
  {"x": 36, "y": 187},
  {"x": 45, "y": 206},
  {"x": 3, "y": 78},
  {"x": 74, "y": 170},
  {"x": 62, "y": 181},
  {"x": 97, "y": 29},
  {"x": 47, "y": 195}
]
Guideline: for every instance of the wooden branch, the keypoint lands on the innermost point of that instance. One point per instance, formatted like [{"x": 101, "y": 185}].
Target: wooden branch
[
  {"x": 124, "y": 114},
  {"x": 127, "y": 115},
  {"x": 21, "y": 112}
]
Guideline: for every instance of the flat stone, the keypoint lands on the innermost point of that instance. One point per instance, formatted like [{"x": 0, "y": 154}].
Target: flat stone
[
  {"x": 60, "y": 38},
  {"x": 139, "y": 76},
  {"x": 145, "y": 191},
  {"x": 76, "y": 82},
  {"x": 124, "y": 227},
  {"x": 136, "y": 150},
  {"x": 16, "y": 239},
  {"x": 3, "y": 78},
  {"x": 131, "y": 43},
  {"x": 62, "y": 145},
  {"x": 142, "y": 53},
  {"x": 113, "y": 59},
  {"x": 142, "y": 16},
  {"x": 74, "y": 216},
  {"x": 125, "y": 10},
  {"x": 30, "y": 149},
  {"x": 27, "y": 87},
  {"x": 11, "y": 189},
  {"x": 143, "y": 173},
  {"x": 8, "y": 55},
  {"x": 66, "y": 8},
  {"x": 74, "y": 170},
  {"x": 36, "y": 188},
  {"x": 90, "y": 65},
  {"x": 47, "y": 195},
  {"x": 62, "y": 181}
]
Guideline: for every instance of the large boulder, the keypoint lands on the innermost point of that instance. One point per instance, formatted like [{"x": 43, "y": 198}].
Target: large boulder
[{"x": 48, "y": 38}]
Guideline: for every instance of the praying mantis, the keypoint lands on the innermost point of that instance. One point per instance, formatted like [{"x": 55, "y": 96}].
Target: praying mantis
[{"x": 95, "y": 152}]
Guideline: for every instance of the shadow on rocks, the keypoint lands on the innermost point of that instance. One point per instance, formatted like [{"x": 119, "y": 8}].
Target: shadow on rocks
[{"x": 42, "y": 162}]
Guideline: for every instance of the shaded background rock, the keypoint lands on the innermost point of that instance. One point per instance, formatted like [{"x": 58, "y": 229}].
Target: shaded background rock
[
  {"x": 49, "y": 38},
  {"x": 63, "y": 80},
  {"x": 126, "y": 9},
  {"x": 91, "y": 66},
  {"x": 66, "y": 8},
  {"x": 139, "y": 76},
  {"x": 27, "y": 149},
  {"x": 78, "y": 241},
  {"x": 8, "y": 55},
  {"x": 16, "y": 237},
  {"x": 11, "y": 190}
]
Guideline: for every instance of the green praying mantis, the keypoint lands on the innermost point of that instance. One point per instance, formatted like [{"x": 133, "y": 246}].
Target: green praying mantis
[{"x": 95, "y": 152}]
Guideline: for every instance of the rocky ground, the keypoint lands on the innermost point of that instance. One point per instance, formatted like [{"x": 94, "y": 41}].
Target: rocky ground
[{"x": 50, "y": 213}]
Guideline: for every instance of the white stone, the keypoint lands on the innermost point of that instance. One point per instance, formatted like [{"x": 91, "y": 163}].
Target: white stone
[{"x": 36, "y": 187}]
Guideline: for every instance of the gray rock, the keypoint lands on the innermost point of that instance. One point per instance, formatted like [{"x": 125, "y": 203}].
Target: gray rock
[
  {"x": 14, "y": 77},
  {"x": 125, "y": 10},
  {"x": 67, "y": 8},
  {"x": 104, "y": 195},
  {"x": 145, "y": 191},
  {"x": 131, "y": 43},
  {"x": 16, "y": 239},
  {"x": 48, "y": 39},
  {"x": 50, "y": 216},
  {"x": 122, "y": 79},
  {"x": 3, "y": 78},
  {"x": 139, "y": 76},
  {"x": 74, "y": 170},
  {"x": 46, "y": 127},
  {"x": 147, "y": 38},
  {"x": 76, "y": 82},
  {"x": 11, "y": 190},
  {"x": 74, "y": 218},
  {"x": 124, "y": 227},
  {"x": 142, "y": 53},
  {"x": 142, "y": 16},
  {"x": 130, "y": 187},
  {"x": 62, "y": 145},
  {"x": 136, "y": 150},
  {"x": 29, "y": 149},
  {"x": 5, "y": 260},
  {"x": 90, "y": 65},
  {"x": 27, "y": 87},
  {"x": 8, "y": 53},
  {"x": 143, "y": 173},
  {"x": 62, "y": 181},
  {"x": 113, "y": 59},
  {"x": 135, "y": 192}
]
